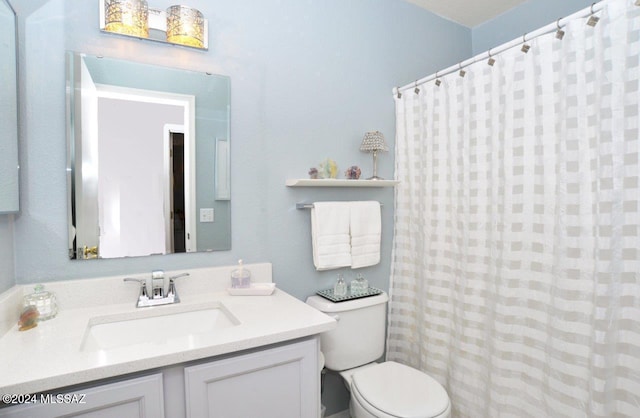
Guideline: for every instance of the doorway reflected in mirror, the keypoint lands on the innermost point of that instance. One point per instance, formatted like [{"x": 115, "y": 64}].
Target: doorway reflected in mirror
[{"x": 142, "y": 145}]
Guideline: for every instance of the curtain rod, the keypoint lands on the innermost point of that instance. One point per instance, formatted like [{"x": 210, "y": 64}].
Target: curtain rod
[{"x": 558, "y": 24}]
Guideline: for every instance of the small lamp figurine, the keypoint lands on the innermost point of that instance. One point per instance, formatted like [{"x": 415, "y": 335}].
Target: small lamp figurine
[{"x": 374, "y": 142}]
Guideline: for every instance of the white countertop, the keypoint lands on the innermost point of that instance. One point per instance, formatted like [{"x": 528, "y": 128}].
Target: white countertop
[{"x": 51, "y": 355}]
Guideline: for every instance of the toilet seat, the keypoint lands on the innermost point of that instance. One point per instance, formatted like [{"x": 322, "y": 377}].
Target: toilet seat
[{"x": 393, "y": 390}]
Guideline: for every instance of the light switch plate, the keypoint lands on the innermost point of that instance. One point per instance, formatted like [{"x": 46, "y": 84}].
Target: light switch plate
[{"x": 206, "y": 215}]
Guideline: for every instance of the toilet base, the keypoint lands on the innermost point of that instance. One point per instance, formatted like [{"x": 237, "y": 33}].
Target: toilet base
[
  {"x": 357, "y": 404},
  {"x": 356, "y": 410}
]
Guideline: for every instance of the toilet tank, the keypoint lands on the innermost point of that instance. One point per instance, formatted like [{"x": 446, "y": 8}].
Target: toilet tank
[{"x": 359, "y": 337}]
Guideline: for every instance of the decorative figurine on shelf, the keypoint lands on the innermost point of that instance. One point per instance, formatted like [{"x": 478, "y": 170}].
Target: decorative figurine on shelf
[
  {"x": 313, "y": 173},
  {"x": 328, "y": 169},
  {"x": 352, "y": 173}
]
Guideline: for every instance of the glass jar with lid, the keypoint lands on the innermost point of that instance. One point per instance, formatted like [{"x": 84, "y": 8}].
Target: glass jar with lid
[{"x": 44, "y": 301}]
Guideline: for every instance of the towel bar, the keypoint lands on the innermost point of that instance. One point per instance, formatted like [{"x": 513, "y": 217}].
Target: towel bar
[{"x": 300, "y": 206}]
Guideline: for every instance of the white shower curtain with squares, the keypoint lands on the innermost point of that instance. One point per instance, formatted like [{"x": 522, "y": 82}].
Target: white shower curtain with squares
[{"x": 516, "y": 259}]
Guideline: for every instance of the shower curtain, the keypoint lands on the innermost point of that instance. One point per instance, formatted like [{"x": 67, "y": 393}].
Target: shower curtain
[{"x": 515, "y": 277}]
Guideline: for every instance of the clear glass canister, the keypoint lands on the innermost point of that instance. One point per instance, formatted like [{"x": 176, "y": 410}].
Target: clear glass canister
[
  {"x": 44, "y": 301},
  {"x": 359, "y": 285}
]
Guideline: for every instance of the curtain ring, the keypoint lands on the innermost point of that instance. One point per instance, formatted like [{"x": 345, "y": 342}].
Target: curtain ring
[
  {"x": 438, "y": 82},
  {"x": 416, "y": 90},
  {"x": 559, "y": 33},
  {"x": 491, "y": 60},
  {"x": 525, "y": 48},
  {"x": 462, "y": 72},
  {"x": 593, "y": 19}
]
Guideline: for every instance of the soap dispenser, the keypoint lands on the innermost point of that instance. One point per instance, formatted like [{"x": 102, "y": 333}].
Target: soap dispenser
[{"x": 240, "y": 277}]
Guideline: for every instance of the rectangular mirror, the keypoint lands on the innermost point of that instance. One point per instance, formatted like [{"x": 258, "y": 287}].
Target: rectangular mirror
[
  {"x": 142, "y": 171},
  {"x": 9, "y": 202}
]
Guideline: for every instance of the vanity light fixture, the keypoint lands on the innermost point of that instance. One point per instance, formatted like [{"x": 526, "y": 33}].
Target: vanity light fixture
[
  {"x": 178, "y": 25},
  {"x": 185, "y": 26},
  {"x": 127, "y": 17},
  {"x": 374, "y": 142}
]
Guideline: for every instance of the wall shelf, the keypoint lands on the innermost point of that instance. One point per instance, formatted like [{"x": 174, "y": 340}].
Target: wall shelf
[{"x": 340, "y": 183}]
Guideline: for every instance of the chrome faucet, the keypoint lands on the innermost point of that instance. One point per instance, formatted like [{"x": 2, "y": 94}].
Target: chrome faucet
[{"x": 158, "y": 295}]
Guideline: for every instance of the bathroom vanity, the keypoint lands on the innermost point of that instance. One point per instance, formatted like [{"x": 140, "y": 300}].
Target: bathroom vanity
[{"x": 219, "y": 356}]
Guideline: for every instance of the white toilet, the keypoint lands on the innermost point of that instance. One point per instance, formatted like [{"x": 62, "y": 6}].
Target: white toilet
[{"x": 378, "y": 390}]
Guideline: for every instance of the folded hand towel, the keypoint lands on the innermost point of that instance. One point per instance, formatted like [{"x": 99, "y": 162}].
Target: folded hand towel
[
  {"x": 330, "y": 235},
  {"x": 366, "y": 230}
]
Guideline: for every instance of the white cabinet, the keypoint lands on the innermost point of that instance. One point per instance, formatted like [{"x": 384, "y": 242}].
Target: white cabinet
[
  {"x": 135, "y": 398},
  {"x": 280, "y": 382}
]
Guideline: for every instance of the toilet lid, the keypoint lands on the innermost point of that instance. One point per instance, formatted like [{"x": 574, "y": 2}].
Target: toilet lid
[{"x": 401, "y": 391}]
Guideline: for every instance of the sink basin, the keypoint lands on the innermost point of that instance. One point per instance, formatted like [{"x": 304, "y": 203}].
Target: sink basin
[{"x": 162, "y": 327}]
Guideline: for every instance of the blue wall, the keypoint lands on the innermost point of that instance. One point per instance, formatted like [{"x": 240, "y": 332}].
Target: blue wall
[
  {"x": 522, "y": 19},
  {"x": 307, "y": 80}
]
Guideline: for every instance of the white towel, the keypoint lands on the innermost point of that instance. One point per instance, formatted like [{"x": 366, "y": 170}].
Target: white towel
[
  {"x": 366, "y": 230},
  {"x": 330, "y": 235}
]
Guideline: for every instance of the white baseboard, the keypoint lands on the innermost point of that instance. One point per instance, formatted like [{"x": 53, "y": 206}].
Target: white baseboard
[{"x": 341, "y": 414}]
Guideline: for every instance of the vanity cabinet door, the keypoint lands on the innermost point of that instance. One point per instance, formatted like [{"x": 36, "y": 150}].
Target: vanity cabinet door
[
  {"x": 136, "y": 398},
  {"x": 281, "y": 382}
]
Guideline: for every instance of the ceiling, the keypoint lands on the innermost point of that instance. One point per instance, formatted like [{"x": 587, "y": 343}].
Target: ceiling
[{"x": 469, "y": 13}]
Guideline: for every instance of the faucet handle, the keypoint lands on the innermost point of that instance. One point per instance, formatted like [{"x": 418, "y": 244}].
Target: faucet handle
[
  {"x": 179, "y": 275},
  {"x": 172, "y": 292},
  {"x": 143, "y": 286}
]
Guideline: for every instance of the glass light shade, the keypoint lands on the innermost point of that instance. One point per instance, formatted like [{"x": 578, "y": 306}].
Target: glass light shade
[
  {"x": 373, "y": 141},
  {"x": 185, "y": 26},
  {"x": 128, "y": 17}
]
